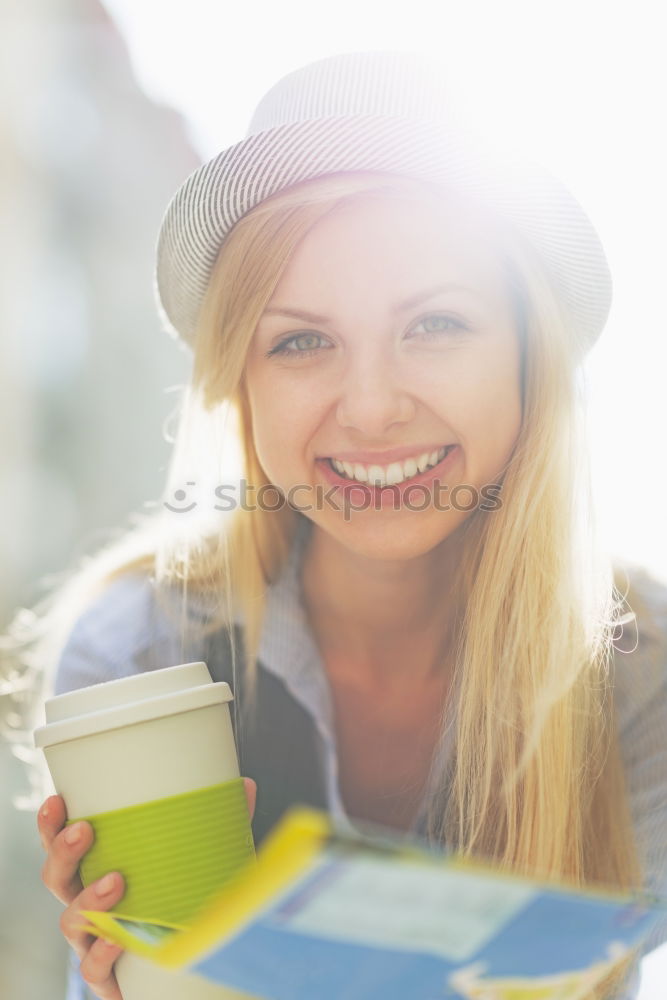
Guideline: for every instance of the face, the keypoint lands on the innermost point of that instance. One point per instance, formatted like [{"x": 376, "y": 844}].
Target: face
[{"x": 390, "y": 335}]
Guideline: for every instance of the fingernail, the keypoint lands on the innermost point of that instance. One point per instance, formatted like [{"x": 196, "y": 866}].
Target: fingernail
[
  {"x": 105, "y": 886},
  {"x": 44, "y": 811},
  {"x": 74, "y": 833}
]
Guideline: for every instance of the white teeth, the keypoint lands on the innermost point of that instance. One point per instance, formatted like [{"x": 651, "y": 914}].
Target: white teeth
[
  {"x": 376, "y": 475},
  {"x": 410, "y": 467},
  {"x": 393, "y": 474}
]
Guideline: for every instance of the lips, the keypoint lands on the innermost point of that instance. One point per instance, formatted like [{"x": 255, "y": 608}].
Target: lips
[
  {"x": 384, "y": 458},
  {"x": 392, "y": 474},
  {"x": 384, "y": 493}
]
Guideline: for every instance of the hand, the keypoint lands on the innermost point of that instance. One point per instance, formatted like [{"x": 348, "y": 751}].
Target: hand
[{"x": 65, "y": 847}]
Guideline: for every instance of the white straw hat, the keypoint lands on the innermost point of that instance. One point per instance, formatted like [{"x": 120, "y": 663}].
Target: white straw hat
[{"x": 381, "y": 112}]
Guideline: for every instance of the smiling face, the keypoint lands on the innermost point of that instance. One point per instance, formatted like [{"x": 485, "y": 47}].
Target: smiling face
[{"x": 391, "y": 334}]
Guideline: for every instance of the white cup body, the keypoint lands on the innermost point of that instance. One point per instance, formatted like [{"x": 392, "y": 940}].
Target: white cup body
[{"x": 144, "y": 761}]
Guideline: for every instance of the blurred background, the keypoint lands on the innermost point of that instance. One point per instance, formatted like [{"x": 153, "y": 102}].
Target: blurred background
[{"x": 105, "y": 108}]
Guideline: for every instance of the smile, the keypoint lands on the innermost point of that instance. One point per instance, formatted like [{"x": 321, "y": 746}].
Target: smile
[{"x": 393, "y": 474}]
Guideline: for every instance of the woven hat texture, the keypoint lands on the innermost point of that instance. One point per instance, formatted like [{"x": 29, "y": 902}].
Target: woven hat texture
[{"x": 381, "y": 112}]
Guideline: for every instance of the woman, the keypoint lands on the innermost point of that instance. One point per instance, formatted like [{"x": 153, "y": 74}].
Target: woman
[{"x": 411, "y": 607}]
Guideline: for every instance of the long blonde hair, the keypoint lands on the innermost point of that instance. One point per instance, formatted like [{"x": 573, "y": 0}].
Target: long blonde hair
[{"x": 536, "y": 781}]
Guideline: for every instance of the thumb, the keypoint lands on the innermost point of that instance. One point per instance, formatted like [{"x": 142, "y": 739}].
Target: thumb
[{"x": 251, "y": 794}]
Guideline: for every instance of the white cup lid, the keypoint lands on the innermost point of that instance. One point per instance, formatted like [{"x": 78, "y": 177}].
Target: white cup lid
[
  {"x": 129, "y": 700},
  {"x": 123, "y": 690}
]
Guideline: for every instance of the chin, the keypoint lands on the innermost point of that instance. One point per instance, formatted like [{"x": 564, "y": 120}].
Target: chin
[{"x": 376, "y": 536}]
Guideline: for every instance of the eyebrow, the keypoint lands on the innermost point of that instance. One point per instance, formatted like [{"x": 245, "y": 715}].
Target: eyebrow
[{"x": 410, "y": 303}]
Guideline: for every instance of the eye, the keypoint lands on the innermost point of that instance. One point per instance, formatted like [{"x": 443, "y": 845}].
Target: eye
[
  {"x": 437, "y": 324},
  {"x": 307, "y": 338}
]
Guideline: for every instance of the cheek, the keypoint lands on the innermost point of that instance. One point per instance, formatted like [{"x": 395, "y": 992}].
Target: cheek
[
  {"x": 281, "y": 440},
  {"x": 266, "y": 425},
  {"x": 497, "y": 422},
  {"x": 481, "y": 401}
]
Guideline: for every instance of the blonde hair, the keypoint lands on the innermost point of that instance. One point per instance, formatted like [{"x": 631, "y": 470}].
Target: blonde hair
[{"x": 536, "y": 783}]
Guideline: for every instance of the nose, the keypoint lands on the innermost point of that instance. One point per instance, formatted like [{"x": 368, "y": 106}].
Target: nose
[{"x": 372, "y": 396}]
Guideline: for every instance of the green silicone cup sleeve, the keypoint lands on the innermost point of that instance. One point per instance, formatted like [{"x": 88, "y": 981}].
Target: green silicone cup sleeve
[{"x": 173, "y": 853}]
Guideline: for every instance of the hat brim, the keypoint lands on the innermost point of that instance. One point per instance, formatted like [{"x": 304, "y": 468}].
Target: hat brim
[{"x": 216, "y": 195}]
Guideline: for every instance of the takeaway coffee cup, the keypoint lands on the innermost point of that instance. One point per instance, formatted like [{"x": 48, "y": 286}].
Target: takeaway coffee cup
[{"x": 150, "y": 762}]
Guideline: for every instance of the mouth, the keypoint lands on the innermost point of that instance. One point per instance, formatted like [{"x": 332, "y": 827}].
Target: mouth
[{"x": 412, "y": 470}]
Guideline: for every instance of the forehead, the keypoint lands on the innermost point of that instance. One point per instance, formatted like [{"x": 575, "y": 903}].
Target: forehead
[{"x": 394, "y": 241}]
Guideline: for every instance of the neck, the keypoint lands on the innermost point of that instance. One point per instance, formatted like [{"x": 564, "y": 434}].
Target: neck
[{"x": 389, "y": 618}]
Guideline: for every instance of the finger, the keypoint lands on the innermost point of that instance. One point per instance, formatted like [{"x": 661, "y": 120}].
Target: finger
[
  {"x": 51, "y": 819},
  {"x": 97, "y": 969},
  {"x": 251, "y": 794},
  {"x": 60, "y": 870},
  {"x": 101, "y": 895}
]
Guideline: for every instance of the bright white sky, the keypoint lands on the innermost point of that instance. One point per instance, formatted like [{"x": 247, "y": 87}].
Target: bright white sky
[{"x": 579, "y": 83}]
